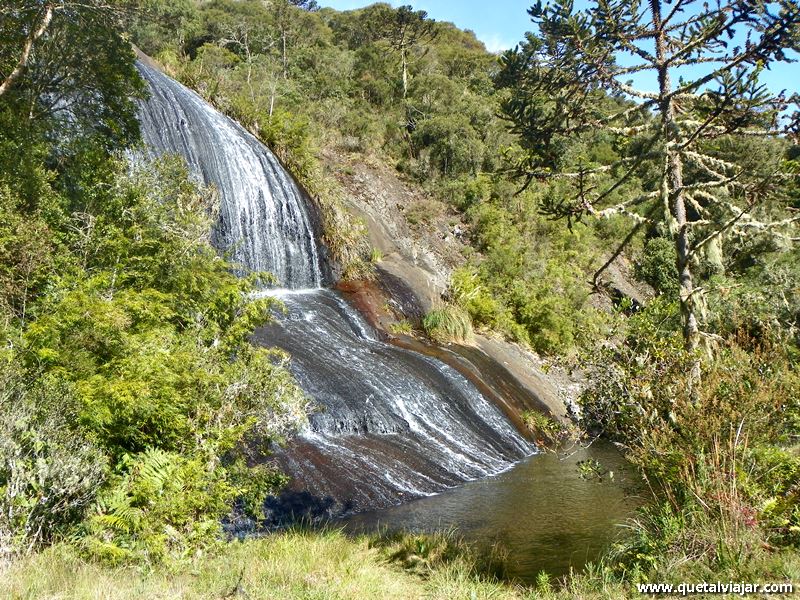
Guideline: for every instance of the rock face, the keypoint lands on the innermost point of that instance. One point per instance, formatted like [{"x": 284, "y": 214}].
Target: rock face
[
  {"x": 419, "y": 239},
  {"x": 392, "y": 423},
  {"x": 421, "y": 243}
]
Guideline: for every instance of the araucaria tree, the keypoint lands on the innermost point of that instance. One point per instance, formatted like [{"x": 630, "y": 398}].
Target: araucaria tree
[
  {"x": 677, "y": 148},
  {"x": 403, "y": 29}
]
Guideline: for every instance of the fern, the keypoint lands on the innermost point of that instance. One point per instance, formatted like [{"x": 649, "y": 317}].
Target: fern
[{"x": 127, "y": 521}]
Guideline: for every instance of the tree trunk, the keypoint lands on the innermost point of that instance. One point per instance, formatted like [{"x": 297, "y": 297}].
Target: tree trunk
[
  {"x": 285, "y": 59},
  {"x": 272, "y": 90},
  {"x": 673, "y": 198},
  {"x": 404, "y": 58},
  {"x": 26, "y": 49}
]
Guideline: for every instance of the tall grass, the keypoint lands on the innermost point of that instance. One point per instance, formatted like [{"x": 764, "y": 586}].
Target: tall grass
[
  {"x": 296, "y": 564},
  {"x": 448, "y": 323}
]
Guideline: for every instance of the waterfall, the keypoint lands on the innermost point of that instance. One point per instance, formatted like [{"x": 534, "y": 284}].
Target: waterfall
[
  {"x": 395, "y": 424},
  {"x": 264, "y": 224},
  {"x": 392, "y": 424}
]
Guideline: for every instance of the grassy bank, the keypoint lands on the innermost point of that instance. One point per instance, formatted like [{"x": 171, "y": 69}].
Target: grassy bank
[
  {"x": 331, "y": 565},
  {"x": 297, "y": 564},
  {"x": 288, "y": 565}
]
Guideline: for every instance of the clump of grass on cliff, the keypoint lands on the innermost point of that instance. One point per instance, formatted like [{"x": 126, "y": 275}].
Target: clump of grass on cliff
[
  {"x": 345, "y": 235},
  {"x": 448, "y": 323}
]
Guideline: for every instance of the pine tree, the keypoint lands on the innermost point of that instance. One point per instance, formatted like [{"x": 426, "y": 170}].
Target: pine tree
[
  {"x": 569, "y": 81},
  {"x": 403, "y": 29}
]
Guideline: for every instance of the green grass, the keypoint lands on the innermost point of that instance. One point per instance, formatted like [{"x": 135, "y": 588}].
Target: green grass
[
  {"x": 402, "y": 327},
  {"x": 330, "y": 565},
  {"x": 448, "y": 323},
  {"x": 547, "y": 431}
]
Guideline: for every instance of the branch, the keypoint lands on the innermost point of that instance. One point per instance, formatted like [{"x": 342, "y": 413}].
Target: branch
[
  {"x": 26, "y": 50},
  {"x": 705, "y": 159},
  {"x": 769, "y": 36},
  {"x": 701, "y": 210},
  {"x": 723, "y": 228},
  {"x": 622, "y": 207},
  {"x": 740, "y": 214},
  {"x": 625, "y": 242},
  {"x": 645, "y": 154},
  {"x": 675, "y": 9},
  {"x": 629, "y": 131},
  {"x": 767, "y": 226},
  {"x": 719, "y": 130}
]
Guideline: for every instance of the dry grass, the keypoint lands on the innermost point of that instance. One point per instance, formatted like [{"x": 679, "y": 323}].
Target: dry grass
[
  {"x": 318, "y": 566},
  {"x": 290, "y": 565},
  {"x": 296, "y": 564}
]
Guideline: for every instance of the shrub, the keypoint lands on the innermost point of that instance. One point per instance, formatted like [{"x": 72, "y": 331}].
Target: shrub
[
  {"x": 169, "y": 505},
  {"x": 721, "y": 464},
  {"x": 403, "y": 327},
  {"x": 447, "y": 324},
  {"x": 656, "y": 266},
  {"x": 134, "y": 395},
  {"x": 49, "y": 472},
  {"x": 466, "y": 191},
  {"x": 547, "y": 431}
]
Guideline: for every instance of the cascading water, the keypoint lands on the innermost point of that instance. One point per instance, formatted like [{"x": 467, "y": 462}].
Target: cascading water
[
  {"x": 263, "y": 223},
  {"x": 393, "y": 424}
]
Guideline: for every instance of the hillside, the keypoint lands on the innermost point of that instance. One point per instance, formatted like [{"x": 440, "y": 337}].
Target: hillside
[{"x": 560, "y": 256}]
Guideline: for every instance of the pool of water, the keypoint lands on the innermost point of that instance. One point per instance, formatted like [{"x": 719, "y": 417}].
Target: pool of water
[{"x": 547, "y": 517}]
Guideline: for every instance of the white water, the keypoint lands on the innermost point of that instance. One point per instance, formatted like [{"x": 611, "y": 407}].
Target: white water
[
  {"x": 263, "y": 224},
  {"x": 394, "y": 424}
]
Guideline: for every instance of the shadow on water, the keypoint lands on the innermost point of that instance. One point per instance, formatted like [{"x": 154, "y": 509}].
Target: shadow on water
[
  {"x": 541, "y": 512},
  {"x": 291, "y": 507}
]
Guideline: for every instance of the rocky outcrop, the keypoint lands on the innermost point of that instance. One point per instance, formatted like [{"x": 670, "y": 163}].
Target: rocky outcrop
[{"x": 420, "y": 241}]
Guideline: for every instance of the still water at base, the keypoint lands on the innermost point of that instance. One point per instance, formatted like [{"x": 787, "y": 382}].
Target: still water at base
[{"x": 545, "y": 515}]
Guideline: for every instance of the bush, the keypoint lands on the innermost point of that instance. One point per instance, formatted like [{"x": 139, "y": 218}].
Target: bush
[
  {"x": 447, "y": 324},
  {"x": 720, "y": 465},
  {"x": 134, "y": 395},
  {"x": 50, "y": 473},
  {"x": 168, "y": 505},
  {"x": 657, "y": 266}
]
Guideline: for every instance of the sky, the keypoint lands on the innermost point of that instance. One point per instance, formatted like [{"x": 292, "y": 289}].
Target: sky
[{"x": 501, "y": 24}]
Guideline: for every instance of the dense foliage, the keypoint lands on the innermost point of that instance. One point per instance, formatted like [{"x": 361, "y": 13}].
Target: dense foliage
[{"x": 128, "y": 385}]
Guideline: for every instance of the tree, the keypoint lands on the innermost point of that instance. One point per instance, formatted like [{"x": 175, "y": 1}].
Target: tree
[
  {"x": 37, "y": 24},
  {"x": 403, "y": 29},
  {"x": 284, "y": 20},
  {"x": 309, "y": 5},
  {"x": 568, "y": 82},
  {"x": 53, "y": 83}
]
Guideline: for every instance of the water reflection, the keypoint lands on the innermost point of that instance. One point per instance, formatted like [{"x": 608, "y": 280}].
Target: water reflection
[{"x": 542, "y": 511}]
